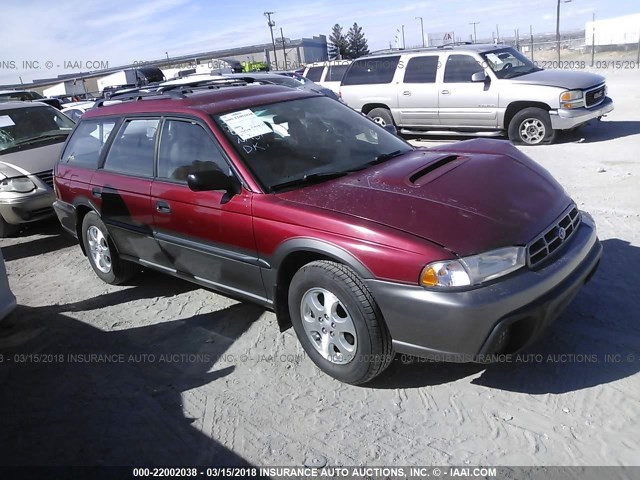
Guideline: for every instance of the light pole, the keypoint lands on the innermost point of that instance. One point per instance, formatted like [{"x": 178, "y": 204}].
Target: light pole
[
  {"x": 404, "y": 45},
  {"x": 558, "y": 26},
  {"x": 167, "y": 54},
  {"x": 421, "y": 30},
  {"x": 273, "y": 41},
  {"x": 284, "y": 51},
  {"x": 474, "y": 31}
]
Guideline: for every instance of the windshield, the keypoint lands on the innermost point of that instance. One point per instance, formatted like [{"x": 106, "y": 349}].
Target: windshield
[
  {"x": 509, "y": 63},
  {"x": 19, "y": 96},
  {"x": 28, "y": 127},
  {"x": 292, "y": 143}
]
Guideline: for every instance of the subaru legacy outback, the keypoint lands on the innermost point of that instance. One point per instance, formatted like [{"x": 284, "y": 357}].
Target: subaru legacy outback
[{"x": 291, "y": 200}]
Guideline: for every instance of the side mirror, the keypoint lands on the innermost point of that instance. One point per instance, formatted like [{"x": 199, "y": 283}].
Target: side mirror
[
  {"x": 391, "y": 129},
  {"x": 479, "y": 77},
  {"x": 208, "y": 180}
]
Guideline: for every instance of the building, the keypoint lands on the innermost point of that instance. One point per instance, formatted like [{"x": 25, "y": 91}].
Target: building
[
  {"x": 288, "y": 55},
  {"x": 613, "y": 33}
]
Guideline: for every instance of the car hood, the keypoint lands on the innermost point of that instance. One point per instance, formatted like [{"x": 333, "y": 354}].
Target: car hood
[
  {"x": 33, "y": 160},
  {"x": 470, "y": 197},
  {"x": 561, "y": 78}
]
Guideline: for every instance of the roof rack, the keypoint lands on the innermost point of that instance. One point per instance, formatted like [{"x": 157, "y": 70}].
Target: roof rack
[{"x": 178, "y": 91}]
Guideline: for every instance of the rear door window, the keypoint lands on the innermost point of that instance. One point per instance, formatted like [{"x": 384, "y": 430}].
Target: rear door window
[
  {"x": 422, "y": 69},
  {"x": 314, "y": 73},
  {"x": 336, "y": 72},
  {"x": 86, "y": 144},
  {"x": 371, "y": 71},
  {"x": 132, "y": 151}
]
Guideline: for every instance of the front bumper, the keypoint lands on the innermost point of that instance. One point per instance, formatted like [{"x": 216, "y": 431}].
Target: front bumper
[
  {"x": 28, "y": 208},
  {"x": 566, "y": 119},
  {"x": 503, "y": 317}
]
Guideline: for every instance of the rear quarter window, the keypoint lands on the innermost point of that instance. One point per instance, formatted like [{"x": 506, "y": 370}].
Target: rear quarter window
[
  {"x": 371, "y": 71},
  {"x": 314, "y": 73},
  {"x": 86, "y": 143}
]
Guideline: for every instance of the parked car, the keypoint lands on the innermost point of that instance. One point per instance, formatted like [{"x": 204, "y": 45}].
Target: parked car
[
  {"x": 473, "y": 89},
  {"x": 27, "y": 96},
  {"x": 298, "y": 82},
  {"x": 31, "y": 139},
  {"x": 75, "y": 110},
  {"x": 7, "y": 298},
  {"x": 294, "y": 201},
  {"x": 327, "y": 74}
]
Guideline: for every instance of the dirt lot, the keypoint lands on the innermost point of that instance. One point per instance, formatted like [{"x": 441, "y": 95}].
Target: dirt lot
[{"x": 181, "y": 375}]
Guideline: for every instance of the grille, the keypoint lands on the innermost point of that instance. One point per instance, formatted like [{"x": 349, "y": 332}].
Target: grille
[
  {"x": 553, "y": 237},
  {"x": 595, "y": 96},
  {"x": 46, "y": 177}
]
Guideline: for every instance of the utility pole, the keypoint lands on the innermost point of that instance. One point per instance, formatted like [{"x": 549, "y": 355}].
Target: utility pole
[
  {"x": 531, "y": 37},
  {"x": 517, "y": 35},
  {"x": 498, "y": 33},
  {"x": 421, "y": 30},
  {"x": 593, "y": 38},
  {"x": 273, "y": 41},
  {"x": 558, "y": 27},
  {"x": 474, "y": 30},
  {"x": 404, "y": 45},
  {"x": 284, "y": 51}
]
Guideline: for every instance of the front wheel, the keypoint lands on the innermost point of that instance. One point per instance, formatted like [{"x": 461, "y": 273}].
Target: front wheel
[
  {"x": 531, "y": 126},
  {"x": 381, "y": 116},
  {"x": 338, "y": 322},
  {"x": 103, "y": 256}
]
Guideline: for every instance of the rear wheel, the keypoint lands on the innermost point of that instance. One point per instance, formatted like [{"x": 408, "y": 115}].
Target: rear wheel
[
  {"x": 338, "y": 322},
  {"x": 531, "y": 126},
  {"x": 381, "y": 116},
  {"x": 103, "y": 256}
]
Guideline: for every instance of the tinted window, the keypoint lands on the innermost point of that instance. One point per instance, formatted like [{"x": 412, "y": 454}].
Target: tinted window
[
  {"x": 314, "y": 74},
  {"x": 132, "y": 149},
  {"x": 185, "y": 147},
  {"x": 371, "y": 71},
  {"x": 421, "y": 70},
  {"x": 460, "y": 68},
  {"x": 336, "y": 72},
  {"x": 86, "y": 144}
]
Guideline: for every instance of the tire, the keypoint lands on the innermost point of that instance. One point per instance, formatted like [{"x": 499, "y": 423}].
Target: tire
[
  {"x": 381, "y": 116},
  {"x": 6, "y": 229},
  {"x": 350, "y": 342},
  {"x": 102, "y": 253},
  {"x": 531, "y": 126}
]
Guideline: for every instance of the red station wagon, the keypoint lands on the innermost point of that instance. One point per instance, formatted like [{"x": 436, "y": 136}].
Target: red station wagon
[{"x": 291, "y": 200}]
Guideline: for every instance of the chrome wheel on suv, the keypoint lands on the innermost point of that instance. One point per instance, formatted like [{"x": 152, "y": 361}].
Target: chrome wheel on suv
[
  {"x": 531, "y": 126},
  {"x": 328, "y": 325},
  {"x": 338, "y": 322},
  {"x": 381, "y": 116}
]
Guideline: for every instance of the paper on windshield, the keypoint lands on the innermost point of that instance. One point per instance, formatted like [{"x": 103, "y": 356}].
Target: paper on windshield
[
  {"x": 5, "y": 121},
  {"x": 245, "y": 124}
]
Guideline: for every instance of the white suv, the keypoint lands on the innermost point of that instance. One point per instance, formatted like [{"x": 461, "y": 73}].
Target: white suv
[
  {"x": 327, "y": 74},
  {"x": 473, "y": 89}
]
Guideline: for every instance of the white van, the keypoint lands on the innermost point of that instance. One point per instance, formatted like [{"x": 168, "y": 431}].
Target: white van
[{"x": 328, "y": 73}]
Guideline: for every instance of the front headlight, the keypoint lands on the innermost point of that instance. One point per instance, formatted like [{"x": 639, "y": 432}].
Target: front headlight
[
  {"x": 473, "y": 270},
  {"x": 572, "y": 99},
  {"x": 17, "y": 185}
]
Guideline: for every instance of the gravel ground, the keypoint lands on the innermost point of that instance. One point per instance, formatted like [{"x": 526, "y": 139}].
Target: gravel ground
[{"x": 181, "y": 375}]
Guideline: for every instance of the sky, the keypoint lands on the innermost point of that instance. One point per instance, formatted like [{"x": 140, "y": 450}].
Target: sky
[{"x": 71, "y": 31}]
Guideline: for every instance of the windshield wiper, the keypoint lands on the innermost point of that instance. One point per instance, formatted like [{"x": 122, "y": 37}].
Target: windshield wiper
[
  {"x": 386, "y": 156},
  {"x": 309, "y": 178},
  {"x": 39, "y": 138}
]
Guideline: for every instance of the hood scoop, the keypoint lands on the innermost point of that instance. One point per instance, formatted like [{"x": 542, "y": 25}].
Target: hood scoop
[{"x": 421, "y": 176}]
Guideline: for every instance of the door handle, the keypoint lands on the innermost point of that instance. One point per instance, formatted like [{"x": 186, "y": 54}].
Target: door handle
[
  {"x": 446, "y": 92},
  {"x": 96, "y": 192},
  {"x": 407, "y": 93},
  {"x": 163, "y": 207}
]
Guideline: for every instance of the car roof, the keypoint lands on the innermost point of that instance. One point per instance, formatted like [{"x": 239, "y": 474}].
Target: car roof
[
  {"x": 20, "y": 104},
  {"x": 467, "y": 47},
  {"x": 206, "y": 101},
  {"x": 329, "y": 63}
]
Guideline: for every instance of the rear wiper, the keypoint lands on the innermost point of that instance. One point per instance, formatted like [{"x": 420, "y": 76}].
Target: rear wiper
[{"x": 309, "y": 178}]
